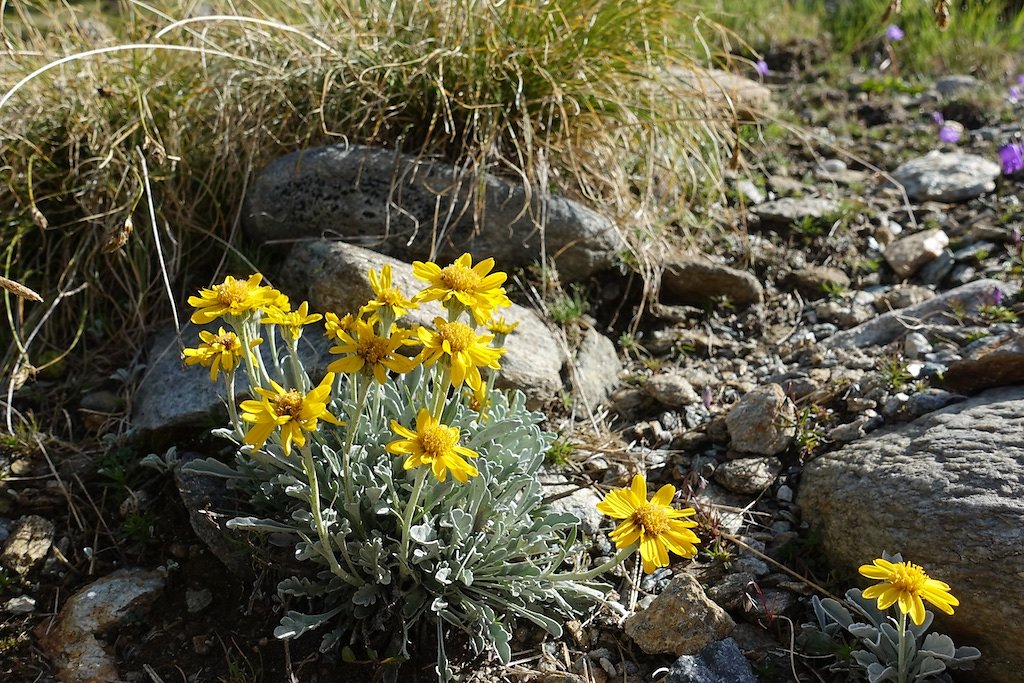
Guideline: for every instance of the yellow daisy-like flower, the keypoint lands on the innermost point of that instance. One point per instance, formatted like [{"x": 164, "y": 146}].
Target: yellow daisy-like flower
[
  {"x": 386, "y": 295},
  {"x": 499, "y": 325},
  {"x": 433, "y": 444},
  {"x": 465, "y": 350},
  {"x": 656, "y": 526},
  {"x": 475, "y": 287},
  {"x": 221, "y": 351},
  {"x": 333, "y": 325},
  {"x": 234, "y": 298},
  {"x": 905, "y": 584},
  {"x": 292, "y": 322},
  {"x": 370, "y": 352},
  {"x": 294, "y": 413}
]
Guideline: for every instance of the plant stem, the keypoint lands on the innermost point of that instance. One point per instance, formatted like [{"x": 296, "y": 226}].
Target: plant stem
[
  {"x": 346, "y": 458},
  {"x": 601, "y": 569},
  {"x": 299, "y": 379},
  {"x": 441, "y": 387},
  {"x": 232, "y": 408},
  {"x": 314, "y": 504},
  {"x": 410, "y": 509},
  {"x": 901, "y": 657}
]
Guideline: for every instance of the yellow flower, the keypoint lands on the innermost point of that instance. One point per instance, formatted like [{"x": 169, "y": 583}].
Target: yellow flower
[
  {"x": 333, "y": 325},
  {"x": 433, "y": 444},
  {"x": 292, "y": 322},
  {"x": 294, "y": 413},
  {"x": 470, "y": 285},
  {"x": 465, "y": 351},
  {"x": 369, "y": 352},
  {"x": 499, "y": 325},
  {"x": 905, "y": 584},
  {"x": 234, "y": 298},
  {"x": 386, "y": 295},
  {"x": 655, "y": 525},
  {"x": 221, "y": 351}
]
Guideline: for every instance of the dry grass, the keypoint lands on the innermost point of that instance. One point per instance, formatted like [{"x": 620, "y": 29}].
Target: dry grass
[{"x": 128, "y": 136}]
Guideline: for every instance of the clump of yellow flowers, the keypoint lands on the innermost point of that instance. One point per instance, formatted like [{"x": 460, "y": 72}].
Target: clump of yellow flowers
[{"x": 404, "y": 478}]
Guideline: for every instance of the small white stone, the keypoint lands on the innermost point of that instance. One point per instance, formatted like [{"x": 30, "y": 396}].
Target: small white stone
[{"x": 22, "y": 604}]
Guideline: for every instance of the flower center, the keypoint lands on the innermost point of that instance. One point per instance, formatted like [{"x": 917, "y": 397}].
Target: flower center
[
  {"x": 373, "y": 350},
  {"x": 390, "y": 297},
  {"x": 289, "y": 404},
  {"x": 652, "y": 518},
  {"x": 459, "y": 278},
  {"x": 228, "y": 340},
  {"x": 458, "y": 335},
  {"x": 232, "y": 293},
  {"x": 437, "y": 441},
  {"x": 908, "y": 578}
]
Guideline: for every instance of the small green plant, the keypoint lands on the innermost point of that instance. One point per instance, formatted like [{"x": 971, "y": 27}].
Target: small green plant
[
  {"x": 877, "y": 647},
  {"x": 631, "y": 346},
  {"x": 893, "y": 370},
  {"x": 810, "y": 227},
  {"x": 7, "y": 581},
  {"x": 993, "y": 313},
  {"x": 569, "y": 308},
  {"x": 559, "y": 454},
  {"x": 834, "y": 290},
  {"x": 810, "y": 429},
  {"x": 890, "y": 84}
]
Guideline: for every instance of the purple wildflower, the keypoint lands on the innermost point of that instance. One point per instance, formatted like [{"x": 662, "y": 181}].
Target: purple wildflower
[
  {"x": 997, "y": 296},
  {"x": 950, "y": 132},
  {"x": 761, "y": 67},
  {"x": 894, "y": 33},
  {"x": 1012, "y": 157},
  {"x": 1020, "y": 80},
  {"x": 707, "y": 398},
  {"x": 1015, "y": 94},
  {"x": 937, "y": 118}
]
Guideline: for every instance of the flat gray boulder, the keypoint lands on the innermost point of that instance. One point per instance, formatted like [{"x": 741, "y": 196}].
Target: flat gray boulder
[
  {"x": 334, "y": 276},
  {"x": 947, "y": 492},
  {"x": 947, "y": 176},
  {"x": 401, "y": 205}
]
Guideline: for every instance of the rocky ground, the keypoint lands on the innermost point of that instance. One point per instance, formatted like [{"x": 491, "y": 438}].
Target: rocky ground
[{"x": 834, "y": 379}]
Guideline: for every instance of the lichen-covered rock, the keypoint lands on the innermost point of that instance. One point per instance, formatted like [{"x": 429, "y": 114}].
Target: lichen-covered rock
[
  {"x": 388, "y": 201},
  {"x": 762, "y": 422},
  {"x": 28, "y": 544},
  {"x": 947, "y": 492},
  {"x": 947, "y": 176},
  {"x": 680, "y": 621}
]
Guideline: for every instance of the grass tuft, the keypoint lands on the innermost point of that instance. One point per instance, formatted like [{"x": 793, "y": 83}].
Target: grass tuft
[{"x": 129, "y": 135}]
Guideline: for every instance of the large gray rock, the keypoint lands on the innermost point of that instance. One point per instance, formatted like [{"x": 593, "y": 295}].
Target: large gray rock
[
  {"x": 762, "y": 422},
  {"x": 596, "y": 369},
  {"x": 695, "y": 280},
  {"x": 997, "y": 364},
  {"x": 72, "y": 643},
  {"x": 887, "y": 327},
  {"x": 789, "y": 210},
  {"x": 388, "y": 201},
  {"x": 947, "y": 492},
  {"x": 680, "y": 621},
  {"x": 333, "y": 276},
  {"x": 947, "y": 176}
]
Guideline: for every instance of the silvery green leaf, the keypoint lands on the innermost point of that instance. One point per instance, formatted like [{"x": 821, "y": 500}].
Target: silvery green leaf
[
  {"x": 920, "y": 630},
  {"x": 939, "y": 645},
  {"x": 965, "y": 655},
  {"x": 294, "y": 624},
  {"x": 442, "y": 574},
  {"x": 927, "y": 667},
  {"x": 833, "y": 610},
  {"x": 254, "y": 524},
  {"x": 877, "y": 673},
  {"x": 303, "y": 516},
  {"x": 500, "y": 638},
  {"x": 365, "y": 595},
  {"x": 211, "y": 467},
  {"x": 864, "y": 658}
]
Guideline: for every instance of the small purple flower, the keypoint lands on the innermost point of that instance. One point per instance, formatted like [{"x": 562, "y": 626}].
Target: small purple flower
[
  {"x": 937, "y": 118},
  {"x": 894, "y": 33},
  {"x": 997, "y": 296},
  {"x": 1015, "y": 94},
  {"x": 950, "y": 132},
  {"x": 1020, "y": 80},
  {"x": 1012, "y": 157},
  {"x": 761, "y": 67},
  {"x": 707, "y": 397}
]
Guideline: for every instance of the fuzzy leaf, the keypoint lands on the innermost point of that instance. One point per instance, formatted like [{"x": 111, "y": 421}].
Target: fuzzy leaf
[
  {"x": 929, "y": 666},
  {"x": 255, "y": 524},
  {"x": 500, "y": 638},
  {"x": 294, "y": 624},
  {"x": 877, "y": 673},
  {"x": 939, "y": 645}
]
